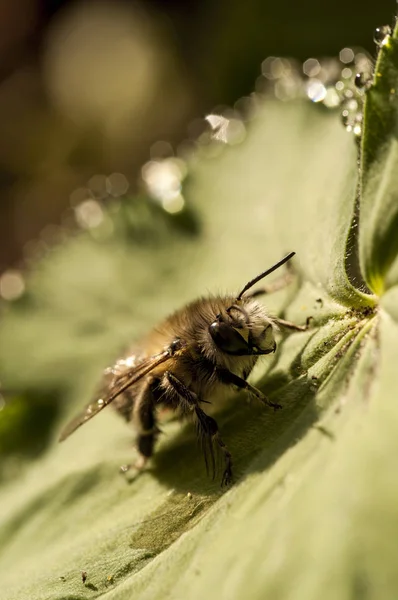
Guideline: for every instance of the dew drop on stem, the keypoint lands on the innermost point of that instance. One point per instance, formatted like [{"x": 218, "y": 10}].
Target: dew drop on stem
[
  {"x": 381, "y": 34},
  {"x": 361, "y": 80}
]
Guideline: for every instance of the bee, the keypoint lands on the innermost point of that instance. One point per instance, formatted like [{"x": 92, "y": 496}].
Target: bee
[{"x": 211, "y": 344}]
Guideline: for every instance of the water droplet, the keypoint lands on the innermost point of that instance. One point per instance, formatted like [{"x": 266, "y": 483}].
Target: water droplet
[
  {"x": 288, "y": 88},
  {"x": 12, "y": 285},
  {"x": 311, "y": 67},
  {"x": 346, "y": 55},
  {"x": 89, "y": 214},
  {"x": 360, "y": 80},
  {"x": 219, "y": 125},
  {"x": 161, "y": 150},
  {"x": 381, "y": 35},
  {"x": 236, "y": 132},
  {"x": 348, "y": 93},
  {"x": 316, "y": 91},
  {"x": 163, "y": 180},
  {"x": 346, "y": 73},
  {"x": 129, "y": 361},
  {"x": 351, "y": 105},
  {"x": 266, "y": 66},
  {"x": 262, "y": 85},
  {"x": 173, "y": 205},
  {"x": 357, "y": 129},
  {"x": 117, "y": 184},
  {"x": 351, "y": 116},
  {"x": 97, "y": 185},
  {"x": 332, "y": 98},
  {"x": 100, "y": 402},
  {"x": 226, "y": 130},
  {"x": 275, "y": 67},
  {"x": 246, "y": 107}
]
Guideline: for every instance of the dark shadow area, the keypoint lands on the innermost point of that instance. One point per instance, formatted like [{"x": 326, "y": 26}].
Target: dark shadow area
[
  {"x": 385, "y": 248},
  {"x": 250, "y": 432},
  {"x": 139, "y": 220},
  {"x": 256, "y": 437},
  {"x": 246, "y": 430},
  {"x": 91, "y": 587},
  {"x": 251, "y": 429},
  {"x": 351, "y": 263},
  {"x": 361, "y": 588},
  {"x": 26, "y": 422}
]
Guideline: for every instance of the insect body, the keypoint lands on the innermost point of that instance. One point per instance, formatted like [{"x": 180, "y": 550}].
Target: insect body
[{"x": 210, "y": 345}]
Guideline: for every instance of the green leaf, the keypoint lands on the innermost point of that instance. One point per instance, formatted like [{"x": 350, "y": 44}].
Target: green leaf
[
  {"x": 378, "y": 240},
  {"x": 299, "y": 522},
  {"x": 289, "y": 186}
]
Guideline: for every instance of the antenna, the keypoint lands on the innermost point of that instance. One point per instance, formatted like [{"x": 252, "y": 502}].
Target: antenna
[{"x": 267, "y": 272}]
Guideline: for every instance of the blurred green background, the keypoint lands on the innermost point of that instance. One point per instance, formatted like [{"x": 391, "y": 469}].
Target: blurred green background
[{"x": 87, "y": 87}]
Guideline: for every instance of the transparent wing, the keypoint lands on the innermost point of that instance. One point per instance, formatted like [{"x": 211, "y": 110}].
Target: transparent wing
[{"x": 124, "y": 377}]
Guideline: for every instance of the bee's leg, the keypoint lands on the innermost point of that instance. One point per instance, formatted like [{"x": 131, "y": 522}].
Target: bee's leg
[
  {"x": 145, "y": 423},
  {"x": 274, "y": 286},
  {"x": 124, "y": 405},
  {"x": 207, "y": 428},
  {"x": 289, "y": 325},
  {"x": 229, "y": 378}
]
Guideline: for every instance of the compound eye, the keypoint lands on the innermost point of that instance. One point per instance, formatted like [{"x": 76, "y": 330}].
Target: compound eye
[{"x": 228, "y": 339}]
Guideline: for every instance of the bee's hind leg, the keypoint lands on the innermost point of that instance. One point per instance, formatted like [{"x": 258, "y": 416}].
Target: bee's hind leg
[
  {"x": 145, "y": 422},
  {"x": 207, "y": 427}
]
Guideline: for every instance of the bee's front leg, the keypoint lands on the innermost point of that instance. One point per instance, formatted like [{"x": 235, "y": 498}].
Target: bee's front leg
[
  {"x": 293, "y": 326},
  {"x": 207, "y": 428},
  {"x": 229, "y": 378}
]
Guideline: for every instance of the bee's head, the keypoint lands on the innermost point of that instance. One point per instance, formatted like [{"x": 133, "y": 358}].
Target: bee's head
[{"x": 243, "y": 330}]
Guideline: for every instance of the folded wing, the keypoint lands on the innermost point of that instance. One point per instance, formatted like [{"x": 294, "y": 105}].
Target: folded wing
[{"x": 119, "y": 384}]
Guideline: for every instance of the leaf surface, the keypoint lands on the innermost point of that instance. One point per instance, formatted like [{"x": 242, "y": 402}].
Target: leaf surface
[{"x": 298, "y": 516}]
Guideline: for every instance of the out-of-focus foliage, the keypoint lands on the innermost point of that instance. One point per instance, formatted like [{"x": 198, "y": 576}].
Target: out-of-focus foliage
[
  {"x": 313, "y": 512},
  {"x": 86, "y": 87}
]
